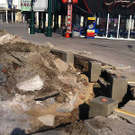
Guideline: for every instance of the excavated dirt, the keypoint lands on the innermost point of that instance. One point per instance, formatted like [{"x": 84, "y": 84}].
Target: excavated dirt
[
  {"x": 39, "y": 87},
  {"x": 3, "y": 32},
  {"x": 76, "y": 128}
]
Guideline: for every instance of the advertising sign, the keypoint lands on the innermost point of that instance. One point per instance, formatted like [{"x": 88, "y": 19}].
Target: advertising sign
[
  {"x": 25, "y": 5},
  {"x": 91, "y": 27},
  {"x": 69, "y": 22}
]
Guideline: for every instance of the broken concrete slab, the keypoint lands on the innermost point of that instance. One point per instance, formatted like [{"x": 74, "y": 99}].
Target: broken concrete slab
[
  {"x": 118, "y": 87},
  {"x": 104, "y": 126},
  {"x": 71, "y": 80},
  {"x": 127, "y": 112},
  {"x": 32, "y": 84},
  {"x": 102, "y": 106},
  {"x": 125, "y": 115},
  {"x": 48, "y": 120},
  {"x": 61, "y": 65},
  {"x": 94, "y": 71},
  {"x": 130, "y": 106},
  {"x": 3, "y": 77}
]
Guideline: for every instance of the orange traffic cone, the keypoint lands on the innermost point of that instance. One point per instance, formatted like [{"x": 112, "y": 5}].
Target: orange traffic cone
[{"x": 67, "y": 35}]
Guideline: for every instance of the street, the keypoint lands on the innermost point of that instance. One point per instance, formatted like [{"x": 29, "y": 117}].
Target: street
[{"x": 113, "y": 52}]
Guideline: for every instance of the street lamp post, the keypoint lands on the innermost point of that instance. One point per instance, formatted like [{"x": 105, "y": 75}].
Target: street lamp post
[
  {"x": 32, "y": 26},
  {"x": 49, "y": 29}
]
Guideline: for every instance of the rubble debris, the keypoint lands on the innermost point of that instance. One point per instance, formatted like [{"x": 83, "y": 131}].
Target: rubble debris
[
  {"x": 3, "y": 77},
  {"x": 61, "y": 65},
  {"x": 85, "y": 52},
  {"x": 35, "y": 78},
  {"x": 48, "y": 120},
  {"x": 3, "y": 93},
  {"x": 76, "y": 128},
  {"x": 3, "y": 32},
  {"x": 32, "y": 84},
  {"x": 121, "y": 67}
]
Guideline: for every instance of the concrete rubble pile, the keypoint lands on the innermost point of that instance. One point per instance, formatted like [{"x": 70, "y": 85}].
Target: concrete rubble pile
[{"x": 38, "y": 91}]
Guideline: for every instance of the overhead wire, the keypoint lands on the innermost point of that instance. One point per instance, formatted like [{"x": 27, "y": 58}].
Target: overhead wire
[{"x": 82, "y": 9}]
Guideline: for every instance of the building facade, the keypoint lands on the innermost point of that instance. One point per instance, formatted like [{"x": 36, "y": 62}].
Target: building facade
[{"x": 10, "y": 10}]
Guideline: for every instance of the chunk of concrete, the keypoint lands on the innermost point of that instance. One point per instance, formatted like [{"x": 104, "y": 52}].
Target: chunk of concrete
[
  {"x": 94, "y": 71},
  {"x": 61, "y": 65},
  {"x": 118, "y": 87},
  {"x": 1, "y": 66},
  {"x": 68, "y": 57},
  {"x": 3, "y": 77},
  {"x": 102, "y": 106},
  {"x": 67, "y": 107},
  {"x": 32, "y": 84},
  {"x": 71, "y": 80},
  {"x": 107, "y": 126},
  {"x": 127, "y": 112},
  {"x": 47, "y": 120}
]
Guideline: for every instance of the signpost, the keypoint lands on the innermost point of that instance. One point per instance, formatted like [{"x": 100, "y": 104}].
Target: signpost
[{"x": 69, "y": 14}]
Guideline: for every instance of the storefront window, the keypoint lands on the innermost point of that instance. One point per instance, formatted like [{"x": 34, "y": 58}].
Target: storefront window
[
  {"x": 132, "y": 30},
  {"x": 124, "y": 26},
  {"x": 101, "y": 23},
  {"x": 113, "y": 26}
]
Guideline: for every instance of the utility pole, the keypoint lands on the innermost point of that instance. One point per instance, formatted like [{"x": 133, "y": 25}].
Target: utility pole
[
  {"x": 56, "y": 15},
  {"x": 49, "y": 29},
  {"x": 44, "y": 22},
  {"x": 32, "y": 26}
]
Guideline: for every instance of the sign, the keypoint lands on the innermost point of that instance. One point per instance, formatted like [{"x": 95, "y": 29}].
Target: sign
[
  {"x": 91, "y": 27},
  {"x": 40, "y": 5},
  {"x": 125, "y": 7},
  {"x": 92, "y": 18},
  {"x": 69, "y": 18},
  {"x": 25, "y": 5}
]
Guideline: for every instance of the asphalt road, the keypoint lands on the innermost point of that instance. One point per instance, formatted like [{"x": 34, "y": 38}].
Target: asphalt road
[{"x": 114, "y": 52}]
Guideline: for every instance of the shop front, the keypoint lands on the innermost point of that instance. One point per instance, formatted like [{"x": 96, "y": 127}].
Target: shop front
[{"x": 114, "y": 18}]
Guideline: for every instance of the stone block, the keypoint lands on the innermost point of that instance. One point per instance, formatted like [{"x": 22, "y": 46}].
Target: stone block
[
  {"x": 102, "y": 106},
  {"x": 94, "y": 71},
  {"x": 68, "y": 57},
  {"x": 118, "y": 87}
]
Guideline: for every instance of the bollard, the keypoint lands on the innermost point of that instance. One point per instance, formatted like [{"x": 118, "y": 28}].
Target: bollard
[
  {"x": 94, "y": 71},
  {"x": 102, "y": 106},
  {"x": 118, "y": 87}
]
